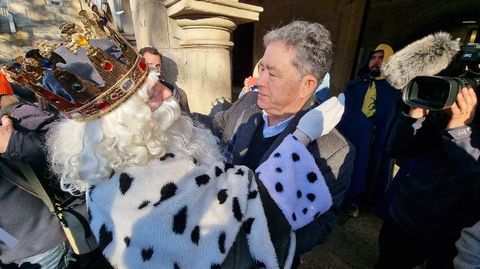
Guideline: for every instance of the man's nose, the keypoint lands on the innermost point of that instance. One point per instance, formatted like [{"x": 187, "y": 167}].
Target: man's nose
[
  {"x": 262, "y": 79},
  {"x": 378, "y": 61}
]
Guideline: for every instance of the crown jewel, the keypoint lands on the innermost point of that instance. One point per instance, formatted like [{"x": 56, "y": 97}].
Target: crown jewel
[{"x": 89, "y": 73}]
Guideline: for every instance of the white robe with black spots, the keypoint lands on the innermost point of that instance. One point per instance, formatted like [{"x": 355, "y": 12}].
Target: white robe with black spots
[{"x": 174, "y": 213}]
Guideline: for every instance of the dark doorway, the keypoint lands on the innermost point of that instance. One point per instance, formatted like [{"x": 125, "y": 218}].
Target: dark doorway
[{"x": 242, "y": 57}]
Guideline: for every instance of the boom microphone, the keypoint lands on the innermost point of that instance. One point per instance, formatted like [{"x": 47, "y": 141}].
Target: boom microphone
[{"x": 424, "y": 57}]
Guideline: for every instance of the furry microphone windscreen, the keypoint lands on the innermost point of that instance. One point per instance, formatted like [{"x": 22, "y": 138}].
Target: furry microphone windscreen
[{"x": 424, "y": 57}]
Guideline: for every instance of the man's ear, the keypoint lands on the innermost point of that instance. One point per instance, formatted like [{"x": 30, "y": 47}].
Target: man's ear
[{"x": 308, "y": 85}]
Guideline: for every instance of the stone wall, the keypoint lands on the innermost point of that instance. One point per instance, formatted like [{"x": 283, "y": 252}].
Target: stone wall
[{"x": 34, "y": 20}]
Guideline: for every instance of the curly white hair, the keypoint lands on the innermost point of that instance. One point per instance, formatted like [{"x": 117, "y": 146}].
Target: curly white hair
[{"x": 83, "y": 154}]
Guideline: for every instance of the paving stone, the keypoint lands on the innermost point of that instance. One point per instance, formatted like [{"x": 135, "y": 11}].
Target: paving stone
[{"x": 352, "y": 244}]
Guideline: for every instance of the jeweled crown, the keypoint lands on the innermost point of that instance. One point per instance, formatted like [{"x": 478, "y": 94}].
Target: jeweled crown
[{"x": 90, "y": 72}]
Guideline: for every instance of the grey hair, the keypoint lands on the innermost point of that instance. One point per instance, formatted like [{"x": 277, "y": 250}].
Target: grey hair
[{"x": 312, "y": 41}]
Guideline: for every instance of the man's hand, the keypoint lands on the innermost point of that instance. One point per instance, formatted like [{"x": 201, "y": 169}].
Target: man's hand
[
  {"x": 322, "y": 119},
  {"x": 417, "y": 113},
  {"x": 6, "y": 131},
  {"x": 463, "y": 110}
]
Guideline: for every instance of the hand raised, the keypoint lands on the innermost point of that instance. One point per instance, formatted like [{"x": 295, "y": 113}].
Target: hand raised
[
  {"x": 323, "y": 118},
  {"x": 463, "y": 110},
  {"x": 6, "y": 131}
]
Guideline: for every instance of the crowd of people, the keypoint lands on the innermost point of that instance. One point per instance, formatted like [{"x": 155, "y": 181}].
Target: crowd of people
[{"x": 254, "y": 186}]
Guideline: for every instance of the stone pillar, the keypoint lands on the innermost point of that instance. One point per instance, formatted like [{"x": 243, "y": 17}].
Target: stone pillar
[
  {"x": 204, "y": 46},
  {"x": 150, "y": 22}
]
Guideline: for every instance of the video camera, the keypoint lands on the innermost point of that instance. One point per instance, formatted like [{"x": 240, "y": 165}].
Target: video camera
[{"x": 440, "y": 92}]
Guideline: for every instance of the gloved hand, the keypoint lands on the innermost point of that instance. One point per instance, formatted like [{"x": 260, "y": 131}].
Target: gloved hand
[{"x": 322, "y": 119}]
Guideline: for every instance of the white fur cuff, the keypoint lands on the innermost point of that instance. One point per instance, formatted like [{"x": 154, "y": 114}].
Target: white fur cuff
[{"x": 295, "y": 183}]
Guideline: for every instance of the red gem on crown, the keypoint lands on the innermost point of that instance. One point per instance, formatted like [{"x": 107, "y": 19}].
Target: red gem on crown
[
  {"x": 107, "y": 66},
  {"x": 102, "y": 104}
]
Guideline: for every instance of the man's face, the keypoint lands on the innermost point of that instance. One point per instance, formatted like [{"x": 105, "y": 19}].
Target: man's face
[
  {"x": 157, "y": 94},
  {"x": 375, "y": 62},
  {"x": 153, "y": 61},
  {"x": 279, "y": 81}
]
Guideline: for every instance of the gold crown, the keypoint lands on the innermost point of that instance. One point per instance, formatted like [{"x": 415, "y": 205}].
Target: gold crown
[{"x": 90, "y": 73}]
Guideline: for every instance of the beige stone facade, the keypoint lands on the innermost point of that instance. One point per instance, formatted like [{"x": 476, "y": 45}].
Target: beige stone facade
[
  {"x": 193, "y": 35},
  {"x": 34, "y": 20},
  {"x": 197, "y": 37}
]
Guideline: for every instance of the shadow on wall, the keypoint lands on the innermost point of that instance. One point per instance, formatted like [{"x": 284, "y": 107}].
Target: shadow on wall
[{"x": 170, "y": 72}]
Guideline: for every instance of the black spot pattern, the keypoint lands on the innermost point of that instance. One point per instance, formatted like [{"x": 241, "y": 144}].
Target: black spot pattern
[
  {"x": 218, "y": 171},
  {"x": 167, "y": 156},
  {"x": 127, "y": 241},
  {"x": 195, "y": 161},
  {"x": 311, "y": 197},
  {"x": 147, "y": 254},
  {"x": 89, "y": 213},
  {"x": 277, "y": 155},
  {"x": 312, "y": 177},
  {"x": 279, "y": 170},
  {"x": 299, "y": 194},
  {"x": 195, "y": 235},
  {"x": 221, "y": 242},
  {"x": 237, "y": 211},
  {"x": 222, "y": 196},
  {"x": 175, "y": 266},
  {"x": 111, "y": 174},
  {"x": 125, "y": 182},
  {"x": 168, "y": 190},
  {"x": 105, "y": 237},
  {"x": 228, "y": 166},
  {"x": 240, "y": 172},
  {"x": 294, "y": 217},
  {"x": 202, "y": 180},
  {"x": 247, "y": 225},
  {"x": 279, "y": 187},
  {"x": 252, "y": 195},
  {"x": 305, "y": 210},
  {"x": 215, "y": 266},
  {"x": 90, "y": 191},
  {"x": 295, "y": 157},
  {"x": 143, "y": 204},
  {"x": 180, "y": 221}
]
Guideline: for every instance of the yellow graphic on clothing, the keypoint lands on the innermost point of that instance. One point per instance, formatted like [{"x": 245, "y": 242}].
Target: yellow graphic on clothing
[{"x": 369, "y": 107}]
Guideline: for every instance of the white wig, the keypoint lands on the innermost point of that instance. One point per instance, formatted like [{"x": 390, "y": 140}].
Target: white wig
[{"x": 83, "y": 154}]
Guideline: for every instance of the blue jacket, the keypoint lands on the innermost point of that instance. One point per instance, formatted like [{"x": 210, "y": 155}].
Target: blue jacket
[{"x": 369, "y": 137}]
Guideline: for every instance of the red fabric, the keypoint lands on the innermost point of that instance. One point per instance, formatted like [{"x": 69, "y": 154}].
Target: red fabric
[{"x": 5, "y": 87}]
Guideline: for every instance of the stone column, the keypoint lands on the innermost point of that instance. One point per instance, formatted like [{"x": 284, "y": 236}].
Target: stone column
[{"x": 203, "y": 56}]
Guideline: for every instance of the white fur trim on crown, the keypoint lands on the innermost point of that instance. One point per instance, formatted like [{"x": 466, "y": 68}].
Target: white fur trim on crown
[{"x": 295, "y": 183}]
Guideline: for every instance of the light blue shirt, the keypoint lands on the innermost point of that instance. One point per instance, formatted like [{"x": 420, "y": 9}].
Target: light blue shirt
[{"x": 269, "y": 131}]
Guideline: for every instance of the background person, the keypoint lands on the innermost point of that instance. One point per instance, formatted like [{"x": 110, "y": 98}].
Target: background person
[
  {"x": 31, "y": 236},
  {"x": 468, "y": 244},
  {"x": 436, "y": 188},
  {"x": 154, "y": 60},
  {"x": 370, "y": 105}
]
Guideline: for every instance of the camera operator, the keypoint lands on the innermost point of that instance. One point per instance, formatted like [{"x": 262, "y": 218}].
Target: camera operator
[{"x": 435, "y": 192}]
